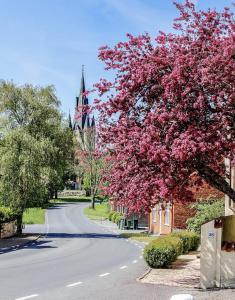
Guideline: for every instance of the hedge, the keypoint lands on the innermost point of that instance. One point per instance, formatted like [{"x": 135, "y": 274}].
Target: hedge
[
  {"x": 111, "y": 215},
  {"x": 162, "y": 251},
  {"x": 115, "y": 216},
  {"x": 7, "y": 214},
  {"x": 190, "y": 240}
]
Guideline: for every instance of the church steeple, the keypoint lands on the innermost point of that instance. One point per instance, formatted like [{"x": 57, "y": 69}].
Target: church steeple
[
  {"x": 82, "y": 100},
  {"x": 70, "y": 121}
]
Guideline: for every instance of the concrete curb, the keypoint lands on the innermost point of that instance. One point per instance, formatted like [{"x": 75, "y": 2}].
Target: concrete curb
[{"x": 145, "y": 274}]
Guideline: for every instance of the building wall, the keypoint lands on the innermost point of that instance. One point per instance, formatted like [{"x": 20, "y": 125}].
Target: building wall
[{"x": 160, "y": 220}]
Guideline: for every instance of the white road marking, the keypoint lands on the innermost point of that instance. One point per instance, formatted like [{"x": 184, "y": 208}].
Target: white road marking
[
  {"x": 140, "y": 256},
  {"x": 123, "y": 267},
  {"x": 104, "y": 274},
  {"x": 28, "y": 297},
  {"x": 134, "y": 261},
  {"x": 74, "y": 284}
]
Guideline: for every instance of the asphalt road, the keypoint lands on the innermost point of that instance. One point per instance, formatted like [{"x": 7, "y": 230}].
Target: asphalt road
[{"x": 76, "y": 259}]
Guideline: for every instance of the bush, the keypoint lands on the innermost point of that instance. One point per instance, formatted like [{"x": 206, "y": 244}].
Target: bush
[
  {"x": 163, "y": 251},
  {"x": 118, "y": 218},
  {"x": 206, "y": 211},
  {"x": 190, "y": 240},
  {"x": 7, "y": 214},
  {"x": 114, "y": 216},
  {"x": 111, "y": 215}
]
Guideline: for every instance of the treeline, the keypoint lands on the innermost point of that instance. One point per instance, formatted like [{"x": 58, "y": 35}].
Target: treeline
[{"x": 36, "y": 147}]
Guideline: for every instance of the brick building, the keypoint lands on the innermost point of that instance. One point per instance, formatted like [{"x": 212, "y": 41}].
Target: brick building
[{"x": 166, "y": 217}]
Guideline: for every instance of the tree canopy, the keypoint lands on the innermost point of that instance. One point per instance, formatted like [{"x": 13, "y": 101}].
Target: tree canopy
[
  {"x": 169, "y": 112},
  {"x": 36, "y": 146}
]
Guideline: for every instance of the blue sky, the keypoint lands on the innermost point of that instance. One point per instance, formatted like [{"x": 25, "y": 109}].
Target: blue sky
[{"x": 46, "y": 41}]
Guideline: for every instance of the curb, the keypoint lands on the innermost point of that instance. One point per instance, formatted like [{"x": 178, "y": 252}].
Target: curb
[{"x": 145, "y": 274}]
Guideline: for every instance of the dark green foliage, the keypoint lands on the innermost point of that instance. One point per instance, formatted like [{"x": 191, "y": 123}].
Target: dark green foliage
[
  {"x": 206, "y": 211},
  {"x": 111, "y": 215},
  {"x": 162, "y": 251},
  {"x": 190, "y": 240},
  {"x": 7, "y": 214}
]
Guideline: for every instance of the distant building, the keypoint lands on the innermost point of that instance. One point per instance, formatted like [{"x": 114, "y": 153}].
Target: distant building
[
  {"x": 83, "y": 124},
  {"x": 83, "y": 127}
]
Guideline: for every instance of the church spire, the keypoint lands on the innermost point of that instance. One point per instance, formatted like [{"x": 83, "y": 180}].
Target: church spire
[{"x": 70, "y": 121}]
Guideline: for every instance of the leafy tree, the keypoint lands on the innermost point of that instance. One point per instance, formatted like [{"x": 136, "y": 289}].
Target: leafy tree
[
  {"x": 23, "y": 172},
  {"x": 169, "y": 112},
  {"x": 36, "y": 146},
  {"x": 91, "y": 160},
  {"x": 205, "y": 212}
]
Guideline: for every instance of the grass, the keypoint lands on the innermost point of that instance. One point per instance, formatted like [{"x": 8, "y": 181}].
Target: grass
[
  {"x": 101, "y": 211},
  {"x": 140, "y": 237},
  {"x": 34, "y": 215}
]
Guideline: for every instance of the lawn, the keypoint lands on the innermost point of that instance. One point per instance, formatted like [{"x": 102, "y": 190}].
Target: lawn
[
  {"x": 140, "y": 237},
  {"x": 34, "y": 215},
  {"x": 101, "y": 211}
]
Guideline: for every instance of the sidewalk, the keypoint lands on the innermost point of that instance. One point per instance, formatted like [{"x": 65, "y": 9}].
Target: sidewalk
[
  {"x": 184, "y": 272},
  {"x": 16, "y": 242}
]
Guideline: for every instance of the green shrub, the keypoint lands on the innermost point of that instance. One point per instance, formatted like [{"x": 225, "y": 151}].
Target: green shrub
[
  {"x": 118, "y": 218},
  {"x": 7, "y": 214},
  {"x": 190, "y": 240},
  {"x": 163, "y": 251},
  {"x": 111, "y": 215},
  {"x": 205, "y": 212},
  {"x": 114, "y": 216}
]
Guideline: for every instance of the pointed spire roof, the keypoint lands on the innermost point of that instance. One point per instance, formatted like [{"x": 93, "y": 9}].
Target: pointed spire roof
[
  {"x": 82, "y": 100},
  {"x": 93, "y": 121},
  {"x": 70, "y": 121}
]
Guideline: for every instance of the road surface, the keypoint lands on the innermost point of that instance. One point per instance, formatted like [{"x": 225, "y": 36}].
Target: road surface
[{"x": 76, "y": 259}]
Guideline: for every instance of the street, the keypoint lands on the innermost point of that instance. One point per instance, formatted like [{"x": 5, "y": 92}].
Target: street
[{"x": 76, "y": 259}]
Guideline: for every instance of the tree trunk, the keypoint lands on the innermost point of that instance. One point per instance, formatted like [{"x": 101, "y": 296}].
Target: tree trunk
[
  {"x": 56, "y": 194},
  {"x": 215, "y": 180},
  {"x": 93, "y": 202},
  {"x": 19, "y": 222},
  {"x": 51, "y": 194}
]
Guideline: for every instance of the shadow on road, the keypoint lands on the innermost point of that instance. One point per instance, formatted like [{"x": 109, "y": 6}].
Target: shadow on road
[
  {"x": 43, "y": 244},
  {"x": 89, "y": 235}
]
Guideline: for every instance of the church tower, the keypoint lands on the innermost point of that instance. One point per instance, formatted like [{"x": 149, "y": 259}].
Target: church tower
[{"x": 84, "y": 124}]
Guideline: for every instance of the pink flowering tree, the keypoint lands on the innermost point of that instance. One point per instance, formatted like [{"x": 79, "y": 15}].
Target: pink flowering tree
[{"x": 169, "y": 114}]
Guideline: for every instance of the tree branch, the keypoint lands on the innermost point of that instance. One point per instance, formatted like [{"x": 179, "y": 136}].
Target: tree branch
[{"x": 215, "y": 180}]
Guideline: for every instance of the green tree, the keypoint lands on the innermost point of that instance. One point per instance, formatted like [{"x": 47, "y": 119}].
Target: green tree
[
  {"x": 36, "y": 146},
  {"x": 205, "y": 212},
  {"x": 23, "y": 171}
]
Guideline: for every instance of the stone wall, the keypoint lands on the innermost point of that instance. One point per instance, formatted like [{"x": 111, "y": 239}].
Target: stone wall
[
  {"x": 74, "y": 193},
  {"x": 7, "y": 229}
]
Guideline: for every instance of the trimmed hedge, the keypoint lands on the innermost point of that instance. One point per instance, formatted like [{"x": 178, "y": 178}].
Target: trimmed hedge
[
  {"x": 162, "y": 251},
  {"x": 190, "y": 240}
]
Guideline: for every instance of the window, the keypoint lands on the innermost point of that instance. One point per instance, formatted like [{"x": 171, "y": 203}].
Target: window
[
  {"x": 167, "y": 216},
  {"x": 154, "y": 214}
]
